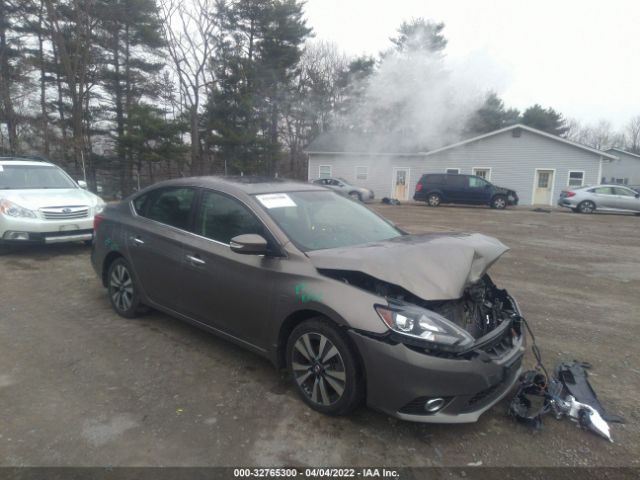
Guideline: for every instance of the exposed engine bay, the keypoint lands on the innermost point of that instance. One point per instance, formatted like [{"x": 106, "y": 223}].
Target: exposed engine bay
[{"x": 481, "y": 309}]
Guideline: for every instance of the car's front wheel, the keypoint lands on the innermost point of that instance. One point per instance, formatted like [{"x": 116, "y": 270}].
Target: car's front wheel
[
  {"x": 356, "y": 196},
  {"x": 586, "y": 207},
  {"x": 123, "y": 292},
  {"x": 499, "y": 202},
  {"x": 324, "y": 367}
]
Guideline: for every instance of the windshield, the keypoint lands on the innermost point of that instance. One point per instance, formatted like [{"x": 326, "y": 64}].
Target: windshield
[
  {"x": 33, "y": 177},
  {"x": 320, "y": 220}
]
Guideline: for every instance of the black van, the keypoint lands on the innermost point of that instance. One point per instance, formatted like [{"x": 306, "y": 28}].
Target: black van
[{"x": 437, "y": 188}]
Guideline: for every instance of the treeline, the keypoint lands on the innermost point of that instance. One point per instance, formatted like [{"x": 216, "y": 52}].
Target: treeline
[{"x": 127, "y": 92}]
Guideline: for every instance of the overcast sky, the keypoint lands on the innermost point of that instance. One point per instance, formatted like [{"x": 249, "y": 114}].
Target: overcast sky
[{"x": 579, "y": 57}]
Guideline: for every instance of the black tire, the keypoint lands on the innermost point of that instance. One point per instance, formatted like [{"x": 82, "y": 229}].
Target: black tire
[
  {"x": 499, "y": 202},
  {"x": 329, "y": 380},
  {"x": 586, "y": 207},
  {"x": 123, "y": 291},
  {"x": 434, "y": 199},
  {"x": 356, "y": 196}
]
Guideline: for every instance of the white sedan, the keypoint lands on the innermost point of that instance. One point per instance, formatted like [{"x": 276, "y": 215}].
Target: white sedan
[{"x": 40, "y": 203}]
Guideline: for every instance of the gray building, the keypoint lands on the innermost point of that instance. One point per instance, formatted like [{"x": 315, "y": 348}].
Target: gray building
[
  {"x": 625, "y": 170},
  {"x": 536, "y": 164}
]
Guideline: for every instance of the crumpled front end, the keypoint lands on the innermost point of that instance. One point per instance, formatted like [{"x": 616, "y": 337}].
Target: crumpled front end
[{"x": 455, "y": 340}]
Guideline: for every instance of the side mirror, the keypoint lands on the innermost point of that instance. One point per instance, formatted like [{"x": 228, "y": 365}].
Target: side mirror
[
  {"x": 249, "y": 244},
  {"x": 82, "y": 184}
]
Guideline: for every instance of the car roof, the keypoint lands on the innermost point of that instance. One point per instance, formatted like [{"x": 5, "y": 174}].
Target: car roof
[
  {"x": 24, "y": 161},
  {"x": 247, "y": 184}
]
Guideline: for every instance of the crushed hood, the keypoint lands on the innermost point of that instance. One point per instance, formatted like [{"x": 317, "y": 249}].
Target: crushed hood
[{"x": 431, "y": 267}]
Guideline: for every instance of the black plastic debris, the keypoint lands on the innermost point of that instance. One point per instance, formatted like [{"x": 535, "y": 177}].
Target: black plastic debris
[
  {"x": 390, "y": 201},
  {"x": 573, "y": 376}
]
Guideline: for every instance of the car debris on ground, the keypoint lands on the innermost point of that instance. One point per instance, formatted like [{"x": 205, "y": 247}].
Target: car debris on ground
[{"x": 568, "y": 393}]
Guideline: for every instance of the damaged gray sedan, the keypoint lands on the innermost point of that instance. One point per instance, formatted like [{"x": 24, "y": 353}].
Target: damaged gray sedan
[{"x": 356, "y": 309}]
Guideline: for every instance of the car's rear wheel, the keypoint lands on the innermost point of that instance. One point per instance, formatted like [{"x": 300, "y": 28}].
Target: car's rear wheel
[
  {"x": 499, "y": 202},
  {"x": 123, "y": 292},
  {"x": 433, "y": 199},
  {"x": 356, "y": 196},
  {"x": 586, "y": 207},
  {"x": 324, "y": 367}
]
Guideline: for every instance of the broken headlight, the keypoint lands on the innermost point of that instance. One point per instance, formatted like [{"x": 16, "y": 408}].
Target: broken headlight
[{"x": 421, "y": 324}]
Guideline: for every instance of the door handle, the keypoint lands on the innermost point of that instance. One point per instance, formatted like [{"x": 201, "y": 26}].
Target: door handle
[
  {"x": 137, "y": 240},
  {"x": 195, "y": 260}
]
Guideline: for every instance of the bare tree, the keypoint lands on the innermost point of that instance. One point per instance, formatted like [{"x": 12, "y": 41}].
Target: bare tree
[
  {"x": 632, "y": 135},
  {"x": 189, "y": 28}
]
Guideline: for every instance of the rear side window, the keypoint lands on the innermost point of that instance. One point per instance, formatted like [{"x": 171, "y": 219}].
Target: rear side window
[
  {"x": 603, "y": 190},
  {"x": 221, "y": 218},
  {"x": 457, "y": 181},
  {"x": 433, "y": 179},
  {"x": 171, "y": 206}
]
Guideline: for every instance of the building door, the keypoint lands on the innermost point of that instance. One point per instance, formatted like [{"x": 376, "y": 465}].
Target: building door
[
  {"x": 543, "y": 187},
  {"x": 401, "y": 183}
]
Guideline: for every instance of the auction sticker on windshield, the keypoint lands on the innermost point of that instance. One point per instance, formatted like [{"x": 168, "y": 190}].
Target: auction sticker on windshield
[{"x": 276, "y": 200}]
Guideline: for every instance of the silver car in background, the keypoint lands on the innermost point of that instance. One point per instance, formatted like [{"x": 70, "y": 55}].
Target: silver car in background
[
  {"x": 609, "y": 198},
  {"x": 40, "y": 203},
  {"x": 347, "y": 189}
]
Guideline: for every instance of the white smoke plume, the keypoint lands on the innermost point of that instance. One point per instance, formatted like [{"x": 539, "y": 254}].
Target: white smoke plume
[{"x": 418, "y": 100}]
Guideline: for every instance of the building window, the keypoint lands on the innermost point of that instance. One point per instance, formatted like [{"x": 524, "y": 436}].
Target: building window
[
  {"x": 362, "y": 173},
  {"x": 324, "y": 171},
  {"x": 453, "y": 170},
  {"x": 576, "y": 179},
  {"x": 482, "y": 173}
]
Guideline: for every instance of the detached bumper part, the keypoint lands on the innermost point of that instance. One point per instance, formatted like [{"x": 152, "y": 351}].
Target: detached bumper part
[{"x": 404, "y": 382}]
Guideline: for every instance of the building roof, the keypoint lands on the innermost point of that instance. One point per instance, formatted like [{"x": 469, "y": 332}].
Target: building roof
[
  {"x": 528, "y": 129},
  {"x": 619, "y": 150},
  {"x": 354, "y": 144},
  {"x": 351, "y": 143}
]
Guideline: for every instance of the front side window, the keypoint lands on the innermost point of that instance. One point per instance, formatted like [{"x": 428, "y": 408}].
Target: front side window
[
  {"x": 171, "y": 206},
  {"x": 221, "y": 218},
  {"x": 576, "y": 179},
  {"x": 320, "y": 219},
  {"x": 625, "y": 192},
  {"x": 18, "y": 177}
]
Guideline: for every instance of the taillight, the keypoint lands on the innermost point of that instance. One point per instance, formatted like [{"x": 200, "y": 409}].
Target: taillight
[
  {"x": 97, "y": 220},
  {"x": 569, "y": 194},
  {"x": 418, "y": 187}
]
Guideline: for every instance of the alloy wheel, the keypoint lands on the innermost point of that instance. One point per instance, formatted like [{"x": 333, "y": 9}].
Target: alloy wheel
[
  {"x": 586, "y": 207},
  {"x": 318, "y": 368},
  {"x": 121, "y": 288},
  {"x": 499, "y": 203},
  {"x": 434, "y": 200}
]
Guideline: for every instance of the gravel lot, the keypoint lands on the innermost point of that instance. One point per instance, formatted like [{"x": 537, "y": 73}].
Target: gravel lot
[{"x": 82, "y": 386}]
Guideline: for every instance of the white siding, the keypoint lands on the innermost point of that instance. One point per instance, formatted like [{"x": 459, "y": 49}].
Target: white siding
[
  {"x": 627, "y": 166},
  {"x": 512, "y": 160}
]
